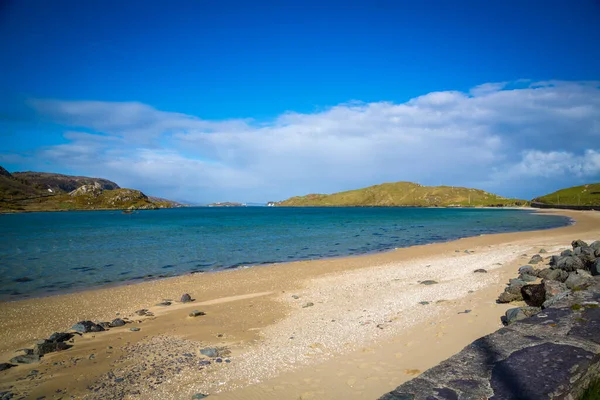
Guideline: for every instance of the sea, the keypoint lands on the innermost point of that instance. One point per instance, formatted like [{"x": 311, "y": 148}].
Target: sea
[{"x": 57, "y": 252}]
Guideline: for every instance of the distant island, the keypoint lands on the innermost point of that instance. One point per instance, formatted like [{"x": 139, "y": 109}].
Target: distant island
[
  {"x": 43, "y": 191},
  {"x": 227, "y": 204},
  {"x": 406, "y": 194}
]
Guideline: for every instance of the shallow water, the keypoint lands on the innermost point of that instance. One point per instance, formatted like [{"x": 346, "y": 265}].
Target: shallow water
[{"x": 46, "y": 253}]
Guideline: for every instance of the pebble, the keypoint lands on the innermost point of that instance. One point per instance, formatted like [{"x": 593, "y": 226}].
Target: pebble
[
  {"x": 116, "y": 322},
  {"x": 210, "y": 352},
  {"x": 295, "y": 297},
  {"x": 428, "y": 282},
  {"x": 480, "y": 270},
  {"x": 309, "y": 304},
  {"x": 199, "y": 396},
  {"x": 424, "y": 303},
  {"x": 164, "y": 303},
  {"x": 186, "y": 298},
  {"x": 464, "y": 312},
  {"x": 134, "y": 329},
  {"x": 196, "y": 313}
]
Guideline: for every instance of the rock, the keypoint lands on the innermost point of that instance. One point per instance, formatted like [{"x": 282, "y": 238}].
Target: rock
[
  {"x": 196, "y": 313},
  {"x": 481, "y": 271},
  {"x": 579, "y": 279},
  {"x": 117, "y": 322},
  {"x": 595, "y": 268},
  {"x": 424, "y": 303},
  {"x": 45, "y": 347},
  {"x": 211, "y": 352},
  {"x": 578, "y": 243},
  {"x": 295, "y": 297},
  {"x": 134, "y": 329},
  {"x": 566, "y": 253},
  {"x": 104, "y": 324},
  {"x": 141, "y": 312},
  {"x": 506, "y": 297},
  {"x": 512, "y": 292},
  {"x": 428, "y": 282},
  {"x": 542, "y": 251},
  {"x": 526, "y": 269},
  {"x": 557, "y": 299},
  {"x": 595, "y": 245},
  {"x": 553, "y": 288},
  {"x": 5, "y": 366},
  {"x": 536, "y": 259},
  {"x": 554, "y": 274},
  {"x": 570, "y": 263},
  {"x": 527, "y": 278},
  {"x": 87, "y": 326},
  {"x": 516, "y": 314},
  {"x": 186, "y": 298},
  {"x": 309, "y": 304},
  {"x": 585, "y": 254},
  {"x": 534, "y": 295},
  {"x": 199, "y": 396},
  {"x": 25, "y": 359},
  {"x": 60, "y": 337},
  {"x": 164, "y": 303},
  {"x": 6, "y": 395}
]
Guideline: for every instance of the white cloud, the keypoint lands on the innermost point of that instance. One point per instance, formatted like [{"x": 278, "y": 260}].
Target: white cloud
[{"x": 510, "y": 138}]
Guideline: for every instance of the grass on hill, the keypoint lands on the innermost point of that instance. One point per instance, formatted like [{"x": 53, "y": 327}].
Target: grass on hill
[
  {"x": 405, "y": 194},
  {"x": 585, "y": 195}
]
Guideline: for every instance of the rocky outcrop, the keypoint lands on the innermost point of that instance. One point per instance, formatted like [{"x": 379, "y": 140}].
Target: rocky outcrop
[
  {"x": 548, "y": 350},
  {"x": 94, "y": 190}
]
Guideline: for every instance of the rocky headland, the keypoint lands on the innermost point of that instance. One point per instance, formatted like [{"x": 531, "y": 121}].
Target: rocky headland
[{"x": 550, "y": 347}]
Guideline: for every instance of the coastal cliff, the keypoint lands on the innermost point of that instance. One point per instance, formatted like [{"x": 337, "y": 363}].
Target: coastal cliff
[{"x": 406, "y": 194}]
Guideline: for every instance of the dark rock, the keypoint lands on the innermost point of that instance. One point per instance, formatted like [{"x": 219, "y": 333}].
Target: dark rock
[
  {"x": 60, "y": 337},
  {"x": 588, "y": 326},
  {"x": 557, "y": 300},
  {"x": 536, "y": 259},
  {"x": 480, "y": 270},
  {"x": 164, "y": 303},
  {"x": 595, "y": 245},
  {"x": 534, "y": 295},
  {"x": 25, "y": 359},
  {"x": 428, "y": 282},
  {"x": 553, "y": 274},
  {"x": 186, "y": 298},
  {"x": 579, "y": 279},
  {"x": 117, "y": 322},
  {"x": 530, "y": 373},
  {"x": 506, "y": 297},
  {"x": 141, "y": 312},
  {"x": 542, "y": 251},
  {"x": 134, "y": 329},
  {"x": 585, "y": 254},
  {"x": 309, "y": 304},
  {"x": 527, "y": 278},
  {"x": 553, "y": 288},
  {"x": 196, "y": 313},
  {"x": 570, "y": 263},
  {"x": 424, "y": 303},
  {"x": 519, "y": 313},
  {"x": 6, "y": 395},
  {"x": 5, "y": 366},
  {"x": 595, "y": 268},
  {"x": 211, "y": 352},
  {"x": 87, "y": 326},
  {"x": 199, "y": 396},
  {"x": 578, "y": 243},
  {"x": 23, "y": 279},
  {"x": 566, "y": 253},
  {"x": 45, "y": 347},
  {"x": 526, "y": 269},
  {"x": 104, "y": 324}
]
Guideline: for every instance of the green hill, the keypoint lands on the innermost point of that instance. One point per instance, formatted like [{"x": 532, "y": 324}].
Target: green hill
[
  {"x": 406, "y": 194},
  {"x": 585, "y": 195},
  {"x": 41, "y": 191}
]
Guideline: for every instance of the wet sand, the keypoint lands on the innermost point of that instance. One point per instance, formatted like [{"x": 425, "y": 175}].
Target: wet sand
[{"x": 364, "y": 334}]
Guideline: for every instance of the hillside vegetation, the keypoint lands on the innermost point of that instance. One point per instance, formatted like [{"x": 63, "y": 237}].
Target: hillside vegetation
[
  {"x": 40, "y": 191},
  {"x": 585, "y": 195},
  {"x": 406, "y": 194}
]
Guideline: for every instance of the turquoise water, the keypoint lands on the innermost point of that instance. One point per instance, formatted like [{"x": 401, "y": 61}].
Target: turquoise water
[{"x": 46, "y": 253}]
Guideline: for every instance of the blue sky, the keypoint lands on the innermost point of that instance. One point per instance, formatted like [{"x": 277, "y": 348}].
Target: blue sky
[{"x": 257, "y": 101}]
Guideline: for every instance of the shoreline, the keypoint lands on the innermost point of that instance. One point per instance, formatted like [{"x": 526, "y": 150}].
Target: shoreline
[
  {"x": 144, "y": 279},
  {"x": 253, "y": 313}
]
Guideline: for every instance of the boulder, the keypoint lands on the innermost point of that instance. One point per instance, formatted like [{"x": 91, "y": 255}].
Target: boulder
[
  {"x": 579, "y": 279},
  {"x": 585, "y": 254},
  {"x": 570, "y": 263},
  {"x": 566, "y": 253},
  {"x": 595, "y": 245},
  {"x": 186, "y": 298},
  {"x": 60, "y": 337},
  {"x": 527, "y": 278},
  {"x": 553, "y": 288},
  {"x": 507, "y": 297},
  {"x": 5, "y": 366},
  {"x": 536, "y": 259},
  {"x": 44, "y": 347},
  {"x": 87, "y": 326},
  {"x": 553, "y": 274},
  {"x": 25, "y": 359},
  {"x": 557, "y": 300},
  {"x": 117, "y": 322},
  {"x": 578, "y": 243},
  {"x": 516, "y": 314},
  {"x": 526, "y": 269},
  {"x": 534, "y": 295},
  {"x": 554, "y": 260},
  {"x": 595, "y": 268}
]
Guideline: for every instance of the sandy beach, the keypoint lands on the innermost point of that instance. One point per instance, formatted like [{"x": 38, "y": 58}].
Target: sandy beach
[{"x": 344, "y": 328}]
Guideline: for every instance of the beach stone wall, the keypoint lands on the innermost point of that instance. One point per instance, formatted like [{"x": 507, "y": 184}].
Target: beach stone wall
[{"x": 551, "y": 354}]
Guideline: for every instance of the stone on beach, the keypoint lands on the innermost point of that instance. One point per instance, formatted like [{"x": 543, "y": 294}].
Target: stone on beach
[
  {"x": 578, "y": 279},
  {"x": 309, "y": 304},
  {"x": 578, "y": 243},
  {"x": 5, "y": 366},
  {"x": 164, "y": 303},
  {"x": 569, "y": 263},
  {"x": 25, "y": 359},
  {"x": 87, "y": 326},
  {"x": 60, "y": 337},
  {"x": 553, "y": 288},
  {"x": 527, "y": 278},
  {"x": 428, "y": 282},
  {"x": 553, "y": 274},
  {"x": 44, "y": 347},
  {"x": 199, "y": 396},
  {"x": 480, "y": 270},
  {"x": 186, "y": 298},
  {"x": 516, "y": 314},
  {"x": 211, "y": 352},
  {"x": 117, "y": 322},
  {"x": 534, "y": 295},
  {"x": 526, "y": 269},
  {"x": 536, "y": 259},
  {"x": 134, "y": 329},
  {"x": 196, "y": 313}
]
